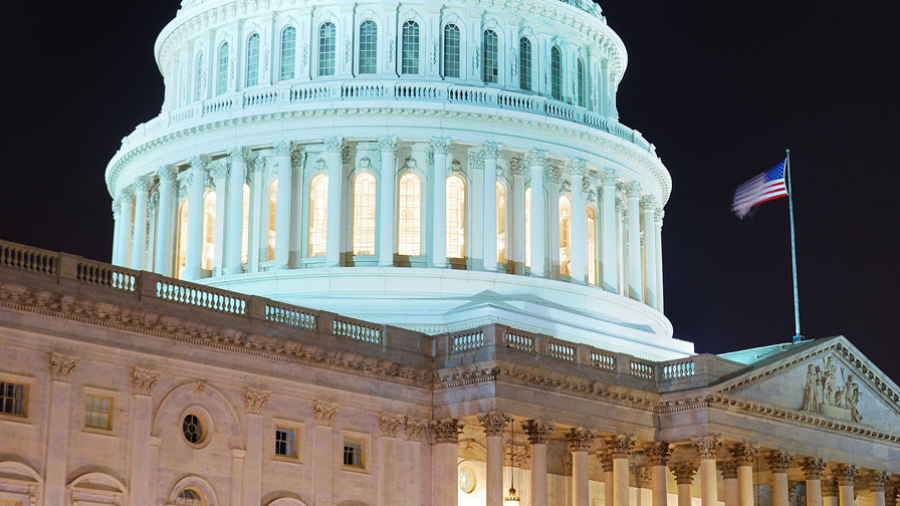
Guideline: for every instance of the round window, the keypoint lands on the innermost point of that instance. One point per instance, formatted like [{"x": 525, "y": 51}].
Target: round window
[
  {"x": 194, "y": 429},
  {"x": 466, "y": 480}
]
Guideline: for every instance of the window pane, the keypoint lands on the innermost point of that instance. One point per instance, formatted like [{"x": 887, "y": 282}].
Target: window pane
[
  {"x": 12, "y": 398},
  {"x": 353, "y": 449},
  {"x": 198, "y": 83},
  {"x": 489, "y": 69},
  {"x": 364, "y": 215},
  {"x": 525, "y": 63},
  {"x": 456, "y": 217},
  {"x": 318, "y": 215},
  {"x": 556, "y": 73},
  {"x": 565, "y": 235},
  {"x": 410, "y": 61},
  {"x": 97, "y": 412},
  {"x": 451, "y": 51},
  {"x": 222, "y": 72},
  {"x": 580, "y": 78},
  {"x": 285, "y": 442},
  {"x": 326, "y": 49},
  {"x": 253, "y": 60},
  {"x": 270, "y": 232},
  {"x": 368, "y": 48},
  {"x": 288, "y": 52},
  {"x": 501, "y": 223},
  {"x": 410, "y": 216}
]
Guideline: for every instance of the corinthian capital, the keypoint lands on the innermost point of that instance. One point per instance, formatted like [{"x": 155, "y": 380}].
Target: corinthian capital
[
  {"x": 644, "y": 477},
  {"x": 633, "y": 189},
  {"x": 490, "y": 150},
  {"x": 283, "y": 148},
  {"x": 658, "y": 216},
  {"x": 390, "y": 424},
  {"x": 606, "y": 460},
  {"x": 141, "y": 184},
  {"x": 744, "y": 454},
  {"x": 238, "y": 154},
  {"x": 446, "y": 430},
  {"x": 494, "y": 422},
  {"x": 779, "y": 461},
  {"x": 538, "y": 431},
  {"x": 440, "y": 145},
  {"x": 61, "y": 366},
  {"x": 878, "y": 480},
  {"x": 580, "y": 439},
  {"x": 707, "y": 446},
  {"x": 576, "y": 167},
  {"x": 813, "y": 468},
  {"x": 620, "y": 446},
  {"x": 334, "y": 144},
  {"x": 648, "y": 203},
  {"x": 728, "y": 469},
  {"x": 609, "y": 177},
  {"x": 167, "y": 173},
  {"x": 255, "y": 400},
  {"x": 415, "y": 428},
  {"x": 126, "y": 195},
  {"x": 325, "y": 412},
  {"x": 199, "y": 162},
  {"x": 387, "y": 143},
  {"x": 684, "y": 472},
  {"x": 536, "y": 158},
  {"x": 845, "y": 474},
  {"x": 143, "y": 381},
  {"x": 658, "y": 452}
]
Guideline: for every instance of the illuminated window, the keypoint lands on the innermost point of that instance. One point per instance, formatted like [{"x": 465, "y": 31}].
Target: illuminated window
[
  {"x": 490, "y": 68},
  {"x": 410, "y": 59},
  {"x": 368, "y": 47},
  {"x": 189, "y": 497},
  {"x": 98, "y": 412},
  {"x": 270, "y": 232},
  {"x": 181, "y": 250},
  {"x": 318, "y": 215},
  {"x": 198, "y": 83},
  {"x": 528, "y": 227},
  {"x": 10, "y": 502},
  {"x": 13, "y": 398},
  {"x": 591, "y": 246},
  {"x": 194, "y": 429},
  {"x": 286, "y": 442},
  {"x": 245, "y": 224},
  {"x": 565, "y": 236},
  {"x": 364, "y": 214},
  {"x": 288, "y": 53},
  {"x": 410, "y": 216},
  {"x": 580, "y": 77},
  {"x": 556, "y": 73},
  {"x": 222, "y": 71},
  {"x": 354, "y": 455},
  {"x": 501, "y": 223},
  {"x": 326, "y": 49},
  {"x": 451, "y": 51},
  {"x": 209, "y": 231},
  {"x": 252, "y": 60},
  {"x": 456, "y": 217},
  {"x": 525, "y": 63}
]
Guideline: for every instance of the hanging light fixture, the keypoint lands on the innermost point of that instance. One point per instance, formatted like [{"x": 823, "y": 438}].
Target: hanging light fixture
[{"x": 512, "y": 497}]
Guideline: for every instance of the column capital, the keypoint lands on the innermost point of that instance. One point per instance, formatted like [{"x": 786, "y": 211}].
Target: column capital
[
  {"x": 633, "y": 189},
  {"x": 325, "y": 412},
  {"x": 389, "y": 424},
  {"x": 446, "y": 430},
  {"x": 536, "y": 158},
  {"x": 61, "y": 366},
  {"x": 387, "y": 143},
  {"x": 813, "y": 468},
  {"x": 580, "y": 439},
  {"x": 606, "y": 460},
  {"x": 648, "y": 203},
  {"x": 491, "y": 149},
  {"x": 283, "y": 148},
  {"x": 684, "y": 472},
  {"x": 334, "y": 144},
  {"x": 829, "y": 488},
  {"x": 516, "y": 166},
  {"x": 126, "y": 195},
  {"x": 538, "y": 431},
  {"x": 744, "y": 454},
  {"x": 658, "y": 216},
  {"x": 238, "y": 153},
  {"x": 219, "y": 171},
  {"x": 555, "y": 175},
  {"x": 198, "y": 162},
  {"x": 143, "y": 381},
  {"x": 167, "y": 173},
  {"x": 415, "y": 428},
  {"x": 141, "y": 184},
  {"x": 620, "y": 445},
  {"x": 658, "y": 452},
  {"x": 779, "y": 461},
  {"x": 609, "y": 177},
  {"x": 845, "y": 474},
  {"x": 707, "y": 446},
  {"x": 494, "y": 422},
  {"x": 475, "y": 157},
  {"x": 255, "y": 400},
  {"x": 878, "y": 480},
  {"x": 440, "y": 145},
  {"x": 576, "y": 167},
  {"x": 116, "y": 208},
  {"x": 728, "y": 468},
  {"x": 644, "y": 477}
]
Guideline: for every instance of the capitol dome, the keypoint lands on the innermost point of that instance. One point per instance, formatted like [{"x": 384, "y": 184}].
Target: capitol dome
[{"x": 429, "y": 165}]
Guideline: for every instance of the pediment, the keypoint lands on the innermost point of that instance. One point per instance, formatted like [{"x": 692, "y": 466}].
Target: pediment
[{"x": 830, "y": 380}]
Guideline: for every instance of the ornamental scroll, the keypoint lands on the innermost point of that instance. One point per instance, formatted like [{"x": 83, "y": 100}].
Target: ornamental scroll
[{"x": 831, "y": 394}]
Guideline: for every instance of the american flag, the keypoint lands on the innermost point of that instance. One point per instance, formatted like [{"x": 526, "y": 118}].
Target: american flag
[{"x": 765, "y": 187}]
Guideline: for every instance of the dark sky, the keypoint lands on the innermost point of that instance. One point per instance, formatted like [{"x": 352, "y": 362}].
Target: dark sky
[{"x": 722, "y": 88}]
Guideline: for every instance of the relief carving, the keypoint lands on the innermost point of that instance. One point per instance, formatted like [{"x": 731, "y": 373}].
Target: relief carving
[{"x": 824, "y": 395}]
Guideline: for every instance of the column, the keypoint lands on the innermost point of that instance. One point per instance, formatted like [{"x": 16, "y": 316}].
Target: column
[
  {"x": 846, "y": 479},
  {"x": 648, "y": 209},
  {"x": 635, "y": 279},
  {"x": 658, "y": 454},
  {"x": 517, "y": 223},
  {"x": 219, "y": 174},
  {"x": 283, "y": 205},
  {"x": 830, "y": 492},
  {"x": 259, "y": 198},
  {"x": 609, "y": 480},
  {"x": 579, "y": 221},
  {"x": 324, "y": 458},
  {"x": 729, "y": 477},
  {"x": 490, "y": 150},
  {"x": 413, "y": 488},
  {"x": 537, "y": 160},
  {"x": 580, "y": 440},
  {"x": 335, "y": 147},
  {"x": 684, "y": 476},
  {"x": 126, "y": 215},
  {"x": 143, "y": 381},
  {"x": 390, "y": 424},
  {"x": 255, "y": 401},
  {"x": 237, "y": 475},
  {"x": 744, "y": 454},
  {"x": 778, "y": 466},
  {"x": 812, "y": 472},
  {"x": 878, "y": 481},
  {"x": 165, "y": 221},
  {"x": 115, "y": 259},
  {"x": 658, "y": 221},
  {"x": 387, "y": 221},
  {"x": 708, "y": 450},
  {"x": 234, "y": 212},
  {"x": 609, "y": 261},
  {"x": 439, "y": 145},
  {"x": 620, "y": 448},
  {"x": 644, "y": 481},
  {"x": 139, "y": 239},
  {"x": 494, "y": 424},
  {"x": 298, "y": 165},
  {"x": 61, "y": 367},
  {"x": 538, "y": 432},
  {"x": 196, "y": 187},
  {"x": 554, "y": 176},
  {"x": 446, "y": 448}
]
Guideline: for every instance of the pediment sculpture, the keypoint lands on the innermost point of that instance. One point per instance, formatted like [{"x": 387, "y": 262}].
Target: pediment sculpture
[{"x": 832, "y": 394}]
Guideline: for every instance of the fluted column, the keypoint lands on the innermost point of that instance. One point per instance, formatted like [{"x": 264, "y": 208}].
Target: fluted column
[
  {"x": 538, "y": 432},
  {"x": 729, "y": 477},
  {"x": 439, "y": 145},
  {"x": 620, "y": 447},
  {"x": 391, "y": 488},
  {"x": 812, "y": 472},
  {"x": 658, "y": 215},
  {"x": 517, "y": 224},
  {"x": 609, "y": 481},
  {"x": 283, "y": 205},
  {"x": 414, "y": 430},
  {"x": 878, "y": 481},
  {"x": 491, "y": 150},
  {"x": 708, "y": 450},
  {"x": 115, "y": 258},
  {"x": 744, "y": 454},
  {"x": 648, "y": 209},
  {"x": 635, "y": 278},
  {"x": 237, "y": 475},
  {"x": 143, "y": 381},
  {"x": 324, "y": 448},
  {"x": 580, "y": 440},
  {"x": 334, "y": 146},
  {"x": 446, "y": 448},
  {"x": 830, "y": 492},
  {"x": 609, "y": 263},
  {"x": 196, "y": 187},
  {"x": 165, "y": 221},
  {"x": 126, "y": 217},
  {"x": 494, "y": 424},
  {"x": 658, "y": 454},
  {"x": 234, "y": 211},
  {"x": 846, "y": 480},
  {"x": 684, "y": 476},
  {"x": 387, "y": 235},
  {"x": 56, "y": 456},
  {"x": 579, "y": 221},
  {"x": 778, "y": 466},
  {"x": 139, "y": 239},
  {"x": 537, "y": 160}
]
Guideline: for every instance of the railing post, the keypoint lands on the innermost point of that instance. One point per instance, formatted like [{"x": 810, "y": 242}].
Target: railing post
[
  {"x": 256, "y": 308},
  {"x": 541, "y": 343},
  {"x": 582, "y": 354},
  {"x": 68, "y": 266},
  {"x": 145, "y": 284},
  {"x": 623, "y": 364},
  {"x": 490, "y": 334},
  {"x": 325, "y": 322}
]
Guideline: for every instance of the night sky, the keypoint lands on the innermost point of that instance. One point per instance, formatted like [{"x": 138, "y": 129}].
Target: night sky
[{"x": 721, "y": 88}]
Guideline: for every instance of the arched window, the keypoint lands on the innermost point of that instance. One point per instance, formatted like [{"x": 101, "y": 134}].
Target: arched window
[
  {"x": 182, "y": 230},
  {"x": 501, "y": 223},
  {"x": 270, "y": 231},
  {"x": 222, "y": 71},
  {"x": 451, "y": 51},
  {"x": 556, "y": 73},
  {"x": 410, "y": 61},
  {"x": 245, "y": 224},
  {"x": 252, "y": 78},
  {"x": 327, "y": 35},
  {"x": 209, "y": 231},
  {"x": 364, "y": 198},
  {"x": 489, "y": 48},
  {"x": 591, "y": 246},
  {"x": 580, "y": 76},
  {"x": 528, "y": 227},
  {"x": 456, "y": 217},
  {"x": 190, "y": 497},
  {"x": 198, "y": 78},
  {"x": 409, "y": 207},
  {"x": 288, "y": 53},
  {"x": 318, "y": 215},
  {"x": 525, "y": 63},
  {"x": 565, "y": 236},
  {"x": 368, "y": 47}
]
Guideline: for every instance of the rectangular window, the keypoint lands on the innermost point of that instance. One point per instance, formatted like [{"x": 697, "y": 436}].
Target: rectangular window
[
  {"x": 525, "y": 64},
  {"x": 353, "y": 453},
  {"x": 10, "y": 502},
  {"x": 13, "y": 398},
  {"x": 98, "y": 412},
  {"x": 286, "y": 442}
]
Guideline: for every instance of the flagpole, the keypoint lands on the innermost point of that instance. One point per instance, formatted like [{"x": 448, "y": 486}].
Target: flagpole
[{"x": 787, "y": 173}]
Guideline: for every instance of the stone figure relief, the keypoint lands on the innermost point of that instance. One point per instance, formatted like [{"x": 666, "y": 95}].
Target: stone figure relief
[
  {"x": 823, "y": 395},
  {"x": 434, "y": 53},
  {"x": 514, "y": 63},
  {"x": 476, "y": 60},
  {"x": 305, "y": 54},
  {"x": 390, "y": 51},
  {"x": 346, "y": 51}
]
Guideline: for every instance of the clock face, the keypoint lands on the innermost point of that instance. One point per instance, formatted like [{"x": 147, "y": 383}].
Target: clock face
[{"x": 466, "y": 480}]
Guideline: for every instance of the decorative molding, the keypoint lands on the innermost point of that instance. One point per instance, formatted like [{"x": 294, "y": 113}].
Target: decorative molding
[
  {"x": 494, "y": 422},
  {"x": 658, "y": 452},
  {"x": 707, "y": 446},
  {"x": 255, "y": 400},
  {"x": 580, "y": 439},
  {"x": 389, "y": 424},
  {"x": 779, "y": 461},
  {"x": 143, "y": 381},
  {"x": 446, "y": 430},
  {"x": 325, "y": 412},
  {"x": 620, "y": 446},
  {"x": 684, "y": 472},
  {"x": 538, "y": 431},
  {"x": 61, "y": 366}
]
